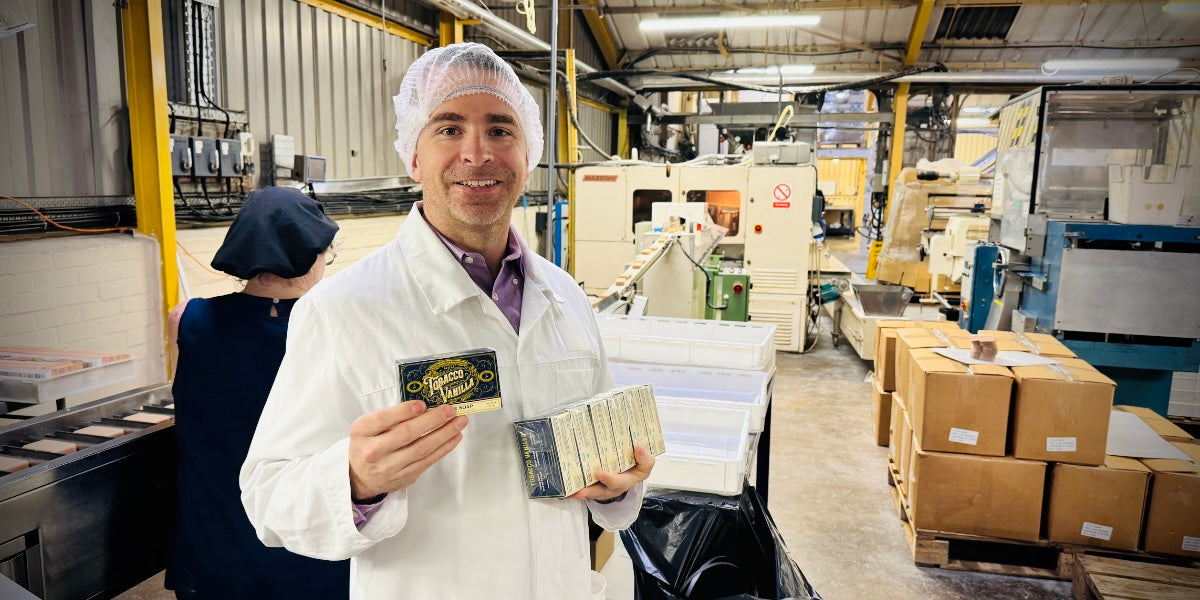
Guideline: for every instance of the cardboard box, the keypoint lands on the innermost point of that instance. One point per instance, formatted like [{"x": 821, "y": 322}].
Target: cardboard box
[
  {"x": 1173, "y": 516},
  {"x": 1160, "y": 424},
  {"x": 958, "y": 408},
  {"x": 1043, "y": 344},
  {"x": 904, "y": 441},
  {"x": 1191, "y": 449},
  {"x": 981, "y": 495},
  {"x": 1098, "y": 506},
  {"x": 908, "y": 340},
  {"x": 1060, "y": 412},
  {"x": 881, "y": 414},
  {"x": 894, "y": 426},
  {"x": 885, "y": 346},
  {"x": 602, "y": 549}
]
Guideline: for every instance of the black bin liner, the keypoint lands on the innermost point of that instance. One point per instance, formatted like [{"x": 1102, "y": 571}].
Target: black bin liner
[{"x": 688, "y": 545}]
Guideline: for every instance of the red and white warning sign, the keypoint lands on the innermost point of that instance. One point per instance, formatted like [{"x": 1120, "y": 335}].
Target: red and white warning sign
[{"x": 782, "y": 193}]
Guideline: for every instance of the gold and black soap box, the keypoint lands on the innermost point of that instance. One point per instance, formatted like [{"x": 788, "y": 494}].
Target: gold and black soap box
[{"x": 469, "y": 381}]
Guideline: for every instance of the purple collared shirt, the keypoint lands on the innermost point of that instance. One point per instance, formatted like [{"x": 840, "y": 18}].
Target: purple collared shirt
[
  {"x": 508, "y": 287},
  {"x": 506, "y": 290}
]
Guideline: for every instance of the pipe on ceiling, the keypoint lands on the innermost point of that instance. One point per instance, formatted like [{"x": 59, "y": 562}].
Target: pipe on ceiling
[
  {"x": 660, "y": 82},
  {"x": 520, "y": 38}
]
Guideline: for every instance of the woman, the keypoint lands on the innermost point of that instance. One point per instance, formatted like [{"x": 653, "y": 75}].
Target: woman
[{"x": 229, "y": 349}]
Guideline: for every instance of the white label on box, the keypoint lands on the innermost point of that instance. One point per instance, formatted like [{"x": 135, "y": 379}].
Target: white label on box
[
  {"x": 1191, "y": 544},
  {"x": 964, "y": 436},
  {"x": 1060, "y": 444},
  {"x": 1100, "y": 532}
]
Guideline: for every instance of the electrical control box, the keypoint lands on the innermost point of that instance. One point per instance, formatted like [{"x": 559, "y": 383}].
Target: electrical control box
[
  {"x": 232, "y": 164},
  {"x": 206, "y": 160},
  {"x": 181, "y": 155},
  {"x": 309, "y": 169}
]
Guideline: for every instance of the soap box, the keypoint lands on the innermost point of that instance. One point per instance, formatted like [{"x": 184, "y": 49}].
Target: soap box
[
  {"x": 550, "y": 455},
  {"x": 602, "y": 425},
  {"x": 585, "y": 440},
  {"x": 469, "y": 381}
]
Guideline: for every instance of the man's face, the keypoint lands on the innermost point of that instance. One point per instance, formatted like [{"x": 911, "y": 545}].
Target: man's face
[{"x": 471, "y": 158}]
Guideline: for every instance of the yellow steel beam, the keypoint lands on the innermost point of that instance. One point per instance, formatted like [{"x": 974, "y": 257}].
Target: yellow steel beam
[
  {"x": 917, "y": 34},
  {"x": 450, "y": 29},
  {"x": 366, "y": 18},
  {"x": 602, "y": 34},
  {"x": 596, "y": 105},
  {"x": 146, "y": 82},
  {"x": 900, "y": 107},
  {"x": 623, "y": 133},
  {"x": 568, "y": 150}
]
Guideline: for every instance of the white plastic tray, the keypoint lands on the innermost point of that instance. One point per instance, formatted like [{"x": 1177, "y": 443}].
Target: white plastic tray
[
  {"x": 36, "y": 391},
  {"x": 692, "y": 342},
  {"x": 703, "y": 386},
  {"x": 706, "y": 449}
]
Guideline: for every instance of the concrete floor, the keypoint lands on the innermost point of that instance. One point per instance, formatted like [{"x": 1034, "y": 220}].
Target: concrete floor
[
  {"x": 829, "y": 494},
  {"x": 830, "y": 498}
]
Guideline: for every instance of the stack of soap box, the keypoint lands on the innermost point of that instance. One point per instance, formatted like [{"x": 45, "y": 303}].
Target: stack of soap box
[{"x": 563, "y": 450}]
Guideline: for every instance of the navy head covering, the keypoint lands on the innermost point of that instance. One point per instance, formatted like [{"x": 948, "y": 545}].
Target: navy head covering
[{"x": 279, "y": 231}]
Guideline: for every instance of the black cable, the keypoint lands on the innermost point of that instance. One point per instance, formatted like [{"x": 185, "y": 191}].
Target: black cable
[
  {"x": 195, "y": 81},
  {"x": 200, "y": 83},
  {"x": 707, "y": 279}
]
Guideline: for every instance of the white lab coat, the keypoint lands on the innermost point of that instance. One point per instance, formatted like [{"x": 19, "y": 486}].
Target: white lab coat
[{"x": 466, "y": 529}]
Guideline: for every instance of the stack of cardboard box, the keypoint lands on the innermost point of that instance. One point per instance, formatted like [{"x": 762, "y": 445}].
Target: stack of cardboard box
[{"x": 1019, "y": 453}]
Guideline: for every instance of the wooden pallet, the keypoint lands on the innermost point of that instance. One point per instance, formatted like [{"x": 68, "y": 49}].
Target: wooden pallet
[
  {"x": 984, "y": 554},
  {"x": 1099, "y": 578}
]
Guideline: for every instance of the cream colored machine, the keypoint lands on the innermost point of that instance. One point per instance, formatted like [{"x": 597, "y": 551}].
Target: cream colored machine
[{"x": 765, "y": 208}]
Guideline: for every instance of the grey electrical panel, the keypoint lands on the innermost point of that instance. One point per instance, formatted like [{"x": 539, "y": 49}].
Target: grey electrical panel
[
  {"x": 231, "y": 158},
  {"x": 206, "y": 161},
  {"x": 181, "y": 156}
]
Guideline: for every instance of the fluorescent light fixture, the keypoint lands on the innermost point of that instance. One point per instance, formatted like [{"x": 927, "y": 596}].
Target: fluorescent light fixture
[
  {"x": 1112, "y": 65},
  {"x": 716, "y": 23},
  {"x": 972, "y": 123},
  {"x": 979, "y": 110},
  {"x": 1182, "y": 8},
  {"x": 777, "y": 70}
]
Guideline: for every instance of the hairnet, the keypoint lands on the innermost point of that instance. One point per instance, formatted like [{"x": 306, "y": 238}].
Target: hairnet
[
  {"x": 279, "y": 231},
  {"x": 457, "y": 70}
]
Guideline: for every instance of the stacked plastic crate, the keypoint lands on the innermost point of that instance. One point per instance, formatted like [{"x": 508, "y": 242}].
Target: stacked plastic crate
[{"x": 712, "y": 381}]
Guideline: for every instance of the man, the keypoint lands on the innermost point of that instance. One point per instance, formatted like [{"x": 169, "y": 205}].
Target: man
[{"x": 427, "y": 506}]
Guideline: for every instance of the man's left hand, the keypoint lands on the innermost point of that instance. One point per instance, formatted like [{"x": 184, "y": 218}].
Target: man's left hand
[{"x": 611, "y": 485}]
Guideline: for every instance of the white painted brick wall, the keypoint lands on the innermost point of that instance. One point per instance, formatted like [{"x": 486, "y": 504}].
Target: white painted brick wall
[
  {"x": 356, "y": 238},
  {"x": 93, "y": 292}
]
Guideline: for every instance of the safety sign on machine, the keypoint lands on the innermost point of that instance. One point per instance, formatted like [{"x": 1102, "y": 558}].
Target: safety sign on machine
[{"x": 783, "y": 192}]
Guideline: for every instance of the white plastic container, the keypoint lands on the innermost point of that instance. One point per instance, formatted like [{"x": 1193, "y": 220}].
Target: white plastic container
[
  {"x": 706, "y": 449},
  {"x": 1146, "y": 196},
  {"x": 692, "y": 342},
  {"x": 703, "y": 386}
]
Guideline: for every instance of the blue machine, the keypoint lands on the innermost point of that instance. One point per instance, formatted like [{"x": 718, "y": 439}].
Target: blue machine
[
  {"x": 560, "y": 234},
  {"x": 1125, "y": 298},
  {"x": 978, "y": 287},
  {"x": 1094, "y": 185}
]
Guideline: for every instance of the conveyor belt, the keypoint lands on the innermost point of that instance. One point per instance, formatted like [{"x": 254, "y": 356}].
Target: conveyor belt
[{"x": 98, "y": 521}]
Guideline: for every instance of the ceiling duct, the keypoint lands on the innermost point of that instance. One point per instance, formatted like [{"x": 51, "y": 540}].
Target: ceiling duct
[{"x": 519, "y": 38}]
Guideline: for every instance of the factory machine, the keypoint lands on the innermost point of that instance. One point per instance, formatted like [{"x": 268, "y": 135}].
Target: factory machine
[
  {"x": 765, "y": 206},
  {"x": 97, "y": 521},
  {"x": 1097, "y": 214}
]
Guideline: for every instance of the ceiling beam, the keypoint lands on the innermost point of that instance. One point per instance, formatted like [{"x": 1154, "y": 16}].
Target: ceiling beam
[
  {"x": 831, "y": 5},
  {"x": 605, "y": 41}
]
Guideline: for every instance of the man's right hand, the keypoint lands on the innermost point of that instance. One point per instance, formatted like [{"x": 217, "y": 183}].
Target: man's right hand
[{"x": 391, "y": 447}]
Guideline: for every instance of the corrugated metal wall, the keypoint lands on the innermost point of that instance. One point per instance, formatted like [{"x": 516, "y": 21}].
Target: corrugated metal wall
[
  {"x": 597, "y": 123},
  {"x": 322, "y": 79},
  {"x": 842, "y": 180},
  {"x": 970, "y": 147},
  {"x": 63, "y": 122}
]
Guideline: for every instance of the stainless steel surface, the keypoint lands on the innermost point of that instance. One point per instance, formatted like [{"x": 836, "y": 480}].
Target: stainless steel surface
[
  {"x": 96, "y": 522},
  {"x": 1137, "y": 293},
  {"x": 883, "y": 300}
]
